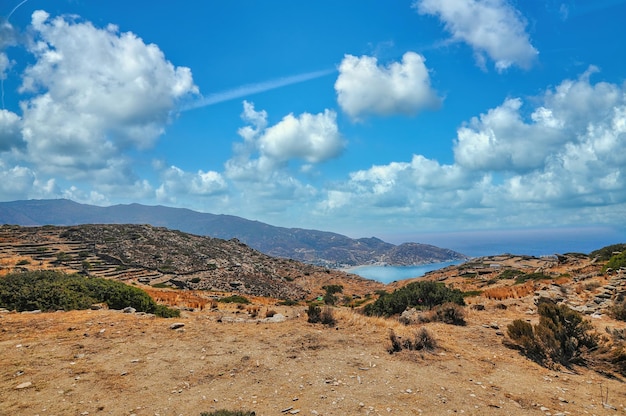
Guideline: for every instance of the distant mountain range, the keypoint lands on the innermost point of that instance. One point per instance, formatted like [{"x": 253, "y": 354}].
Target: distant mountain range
[{"x": 310, "y": 246}]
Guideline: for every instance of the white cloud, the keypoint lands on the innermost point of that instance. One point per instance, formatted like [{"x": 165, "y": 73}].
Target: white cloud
[
  {"x": 492, "y": 27},
  {"x": 177, "y": 183},
  {"x": 10, "y": 134},
  {"x": 95, "y": 93},
  {"x": 313, "y": 138},
  {"x": 561, "y": 161},
  {"x": 363, "y": 87},
  {"x": 502, "y": 140}
]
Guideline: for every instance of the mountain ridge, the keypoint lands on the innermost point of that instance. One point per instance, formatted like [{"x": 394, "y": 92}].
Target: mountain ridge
[{"x": 322, "y": 248}]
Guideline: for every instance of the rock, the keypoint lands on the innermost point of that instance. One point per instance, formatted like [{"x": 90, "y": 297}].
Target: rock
[
  {"x": 24, "y": 385},
  {"x": 177, "y": 325},
  {"x": 276, "y": 318},
  {"x": 129, "y": 309}
]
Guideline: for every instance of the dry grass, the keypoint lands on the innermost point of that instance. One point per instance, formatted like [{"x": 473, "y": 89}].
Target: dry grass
[{"x": 510, "y": 292}]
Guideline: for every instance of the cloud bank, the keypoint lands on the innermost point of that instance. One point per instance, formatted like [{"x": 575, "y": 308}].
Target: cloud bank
[{"x": 566, "y": 154}]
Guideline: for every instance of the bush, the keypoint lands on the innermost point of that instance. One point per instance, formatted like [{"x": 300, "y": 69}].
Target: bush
[
  {"x": 615, "y": 262},
  {"x": 329, "y": 296},
  {"x": 52, "y": 290},
  {"x": 524, "y": 277},
  {"x": 618, "y": 310},
  {"x": 235, "y": 299},
  {"x": 318, "y": 315},
  {"x": 422, "y": 295},
  {"x": 607, "y": 252},
  {"x": 562, "y": 335},
  {"x": 510, "y": 274},
  {"x": 422, "y": 340},
  {"x": 450, "y": 313}
]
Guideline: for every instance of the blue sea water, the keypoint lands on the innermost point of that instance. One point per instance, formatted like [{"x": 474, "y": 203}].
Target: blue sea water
[{"x": 388, "y": 274}]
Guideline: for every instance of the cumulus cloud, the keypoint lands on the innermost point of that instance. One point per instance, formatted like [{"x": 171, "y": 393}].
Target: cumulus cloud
[
  {"x": 503, "y": 140},
  {"x": 94, "y": 93},
  {"x": 562, "y": 150},
  {"x": 491, "y": 27},
  {"x": 176, "y": 183},
  {"x": 313, "y": 138},
  {"x": 364, "y": 87}
]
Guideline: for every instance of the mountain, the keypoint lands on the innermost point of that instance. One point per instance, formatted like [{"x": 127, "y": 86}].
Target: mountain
[{"x": 310, "y": 246}]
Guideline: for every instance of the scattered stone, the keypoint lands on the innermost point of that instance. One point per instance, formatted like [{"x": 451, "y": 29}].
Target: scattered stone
[
  {"x": 24, "y": 385},
  {"x": 129, "y": 309},
  {"x": 177, "y": 325}
]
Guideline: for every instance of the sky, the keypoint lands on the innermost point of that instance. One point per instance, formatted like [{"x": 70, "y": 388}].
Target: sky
[{"x": 442, "y": 121}]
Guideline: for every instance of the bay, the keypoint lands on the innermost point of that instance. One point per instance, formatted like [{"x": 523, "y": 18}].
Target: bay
[{"x": 388, "y": 274}]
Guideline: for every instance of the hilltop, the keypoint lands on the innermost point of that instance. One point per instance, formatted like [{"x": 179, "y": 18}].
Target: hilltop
[
  {"x": 321, "y": 248},
  {"x": 266, "y": 357}
]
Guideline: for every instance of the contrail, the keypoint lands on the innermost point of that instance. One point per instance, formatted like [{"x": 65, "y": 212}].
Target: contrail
[
  {"x": 250, "y": 89},
  {"x": 14, "y": 9},
  {"x": 2, "y": 75}
]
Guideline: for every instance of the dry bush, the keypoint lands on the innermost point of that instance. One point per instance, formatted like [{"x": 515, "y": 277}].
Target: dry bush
[
  {"x": 322, "y": 316},
  {"x": 253, "y": 311},
  {"x": 422, "y": 340}
]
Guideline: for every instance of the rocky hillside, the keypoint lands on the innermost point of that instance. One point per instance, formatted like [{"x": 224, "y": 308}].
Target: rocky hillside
[
  {"x": 158, "y": 256},
  {"x": 311, "y": 246}
]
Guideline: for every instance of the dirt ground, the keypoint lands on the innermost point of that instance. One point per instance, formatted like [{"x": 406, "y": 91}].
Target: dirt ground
[{"x": 110, "y": 363}]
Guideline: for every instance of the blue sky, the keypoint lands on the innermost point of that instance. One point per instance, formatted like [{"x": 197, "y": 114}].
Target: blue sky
[{"x": 407, "y": 120}]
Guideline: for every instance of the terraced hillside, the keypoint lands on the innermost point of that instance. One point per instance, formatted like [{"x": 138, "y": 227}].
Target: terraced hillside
[{"x": 157, "y": 256}]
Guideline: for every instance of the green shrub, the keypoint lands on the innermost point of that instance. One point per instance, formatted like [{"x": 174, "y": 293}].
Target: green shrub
[
  {"x": 615, "y": 262},
  {"x": 422, "y": 295},
  {"x": 562, "y": 336},
  {"x": 510, "y": 274},
  {"x": 52, "y": 290},
  {"x": 329, "y": 296},
  {"x": 524, "y": 277},
  {"x": 605, "y": 253},
  {"x": 235, "y": 299}
]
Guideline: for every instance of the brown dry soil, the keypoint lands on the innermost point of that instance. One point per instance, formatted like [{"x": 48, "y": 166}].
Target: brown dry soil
[{"x": 105, "y": 362}]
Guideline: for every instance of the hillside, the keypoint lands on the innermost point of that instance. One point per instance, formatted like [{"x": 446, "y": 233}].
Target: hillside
[
  {"x": 316, "y": 247},
  {"x": 265, "y": 357},
  {"x": 158, "y": 256}
]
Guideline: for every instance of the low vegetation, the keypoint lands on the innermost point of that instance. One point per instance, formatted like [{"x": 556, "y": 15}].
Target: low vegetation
[
  {"x": 52, "y": 290},
  {"x": 421, "y": 295},
  {"x": 605, "y": 253},
  {"x": 562, "y": 336},
  {"x": 618, "y": 311},
  {"x": 235, "y": 299},
  {"x": 422, "y": 340},
  {"x": 322, "y": 316},
  {"x": 615, "y": 262}
]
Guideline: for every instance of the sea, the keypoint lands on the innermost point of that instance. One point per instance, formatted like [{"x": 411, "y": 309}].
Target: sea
[{"x": 388, "y": 274}]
